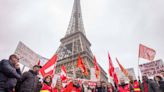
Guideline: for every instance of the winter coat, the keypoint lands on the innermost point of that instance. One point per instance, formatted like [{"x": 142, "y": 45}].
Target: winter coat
[
  {"x": 86, "y": 89},
  {"x": 8, "y": 75},
  {"x": 161, "y": 86},
  {"x": 72, "y": 88},
  {"x": 30, "y": 82},
  {"x": 152, "y": 86},
  {"x": 98, "y": 89},
  {"x": 56, "y": 90}
]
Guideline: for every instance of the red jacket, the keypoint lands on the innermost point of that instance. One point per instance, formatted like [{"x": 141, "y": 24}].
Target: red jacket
[
  {"x": 125, "y": 89},
  {"x": 55, "y": 90},
  {"x": 136, "y": 86},
  {"x": 71, "y": 88},
  {"x": 46, "y": 87}
]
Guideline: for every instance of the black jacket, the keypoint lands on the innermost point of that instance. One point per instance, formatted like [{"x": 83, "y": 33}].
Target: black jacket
[
  {"x": 98, "y": 89},
  {"x": 161, "y": 86},
  {"x": 8, "y": 74},
  {"x": 29, "y": 82}
]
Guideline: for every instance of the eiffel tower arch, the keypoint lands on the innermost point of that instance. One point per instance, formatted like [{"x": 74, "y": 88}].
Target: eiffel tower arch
[{"x": 74, "y": 43}]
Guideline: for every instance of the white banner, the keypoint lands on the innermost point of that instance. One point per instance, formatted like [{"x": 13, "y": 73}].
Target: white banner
[
  {"x": 152, "y": 68},
  {"x": 121, "y": 75},
  {"x": 27, "y": 57}
]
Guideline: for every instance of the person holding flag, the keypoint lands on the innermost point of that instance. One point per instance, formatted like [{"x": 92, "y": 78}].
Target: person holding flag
[
  {"x": 133, "y": 85},
  {"x": 46, "y": 86},
  {"x": 73, "y": 86},
  {"x": 58, "y": 86},
  {"x": 123, "y": 87}
]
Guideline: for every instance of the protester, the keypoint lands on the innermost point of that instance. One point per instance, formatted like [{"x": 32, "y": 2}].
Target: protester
[
  {"x": 46, "y": 86},
  {"x": 9, "y": 73},
  {"x": 134, "y": 85},
  {"x": 123, "y": 87},
  {"x": 160, "y": 83},
  {"x": 59, "y": 86},
  {"x": 30, "y": 80},
  {"x": 110, "y": 88},
  {"x": 98, "y": 87},
  {"x": 148, "y": 85},
  {"x": 86, "y": 87},
  {"x": 73, "y": 86},
  {"x": 104, "y": 86}
]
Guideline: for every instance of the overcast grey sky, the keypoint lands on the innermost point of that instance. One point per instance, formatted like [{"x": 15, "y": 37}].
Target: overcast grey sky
[{"x": 117, "y": 26}]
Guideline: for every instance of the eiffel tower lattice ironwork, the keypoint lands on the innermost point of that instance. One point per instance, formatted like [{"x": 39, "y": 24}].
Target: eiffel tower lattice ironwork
[{"x": 75, "y": 43}]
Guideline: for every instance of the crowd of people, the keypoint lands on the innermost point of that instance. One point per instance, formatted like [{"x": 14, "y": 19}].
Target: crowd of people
[{"x": 12, "y": 80}]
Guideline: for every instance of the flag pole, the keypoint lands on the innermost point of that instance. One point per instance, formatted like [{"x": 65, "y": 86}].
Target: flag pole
[
  {"x": 23, "y": 68},
  {"x": 138, "y": 68},
  {"x": 139, "y": 63}
]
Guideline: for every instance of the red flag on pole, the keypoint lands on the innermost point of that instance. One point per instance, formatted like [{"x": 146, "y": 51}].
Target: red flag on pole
[
  {"x": 63, "y": 74},
  {"x": 49, "y": 67},
  {"x": 97, "y": 69},
  {"x": 81, "y": 65},
  {"x": 122, "y": 68},
  {"x": 111, "y": 70},
  {"x": 146, "y": 52},
  {"x": 115, "y": 78}
]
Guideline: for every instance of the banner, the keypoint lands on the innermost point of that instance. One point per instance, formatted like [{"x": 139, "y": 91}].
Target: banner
[
  {"x": 152, "y": 68},
  {"x": 26, "y": 56},
  {"x": 121, "y": 75}
]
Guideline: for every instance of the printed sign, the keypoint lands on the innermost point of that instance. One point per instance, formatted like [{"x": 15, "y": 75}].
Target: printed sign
[
  {"x": 26, "y": 56},
  {"x": 152, "y": 68}
]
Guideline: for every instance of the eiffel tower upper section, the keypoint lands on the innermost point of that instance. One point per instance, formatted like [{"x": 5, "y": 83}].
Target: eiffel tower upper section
[
  {"x": 75, "y": 40},
  {"x": 75, "y": 43},
  {"x": 76, "y": 21}
]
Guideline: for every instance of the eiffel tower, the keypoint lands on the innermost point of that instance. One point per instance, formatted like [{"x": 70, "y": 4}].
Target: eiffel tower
[{"x": 74, "y": 43}]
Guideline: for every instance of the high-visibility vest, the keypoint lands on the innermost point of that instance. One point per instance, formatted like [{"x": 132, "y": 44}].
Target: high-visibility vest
[
  {"x": 125, "y": 89},
  {"x": 46, "y": 88},
  {"x": 44, "y": 91},
  {"x": 136, "y": 86}
]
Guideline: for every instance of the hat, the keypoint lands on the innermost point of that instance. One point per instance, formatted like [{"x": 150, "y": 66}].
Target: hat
[{"x": 37, "y": 66}]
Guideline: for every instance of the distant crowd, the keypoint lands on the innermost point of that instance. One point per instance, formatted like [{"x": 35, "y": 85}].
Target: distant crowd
[{"x": 12, "y": 80}]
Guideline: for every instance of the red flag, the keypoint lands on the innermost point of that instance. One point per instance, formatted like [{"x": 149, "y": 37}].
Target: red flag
[
  {"x": 146, "y": 52},
  {"x": 49, "y": 67},
  {"x": 38, "y": 63},
  {"x": 111, "y": 70},
  {"x": 97, "y": 69},
  {"x": 115, "y": 78},
  {"x": 63, "y": 74},
  {"x": 81, "y": 65},
  {"x": 122, "y": 68}
]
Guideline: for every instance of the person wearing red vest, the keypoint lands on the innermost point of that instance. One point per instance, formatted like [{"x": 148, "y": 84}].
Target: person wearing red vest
[
  {"x": 123, "y": 87},
  {"x": 73, "y": 87},
  {"x": 134, "y": 85},
  {"x": 59, "y": 86},
  {"x": 46, "y": 86}
]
